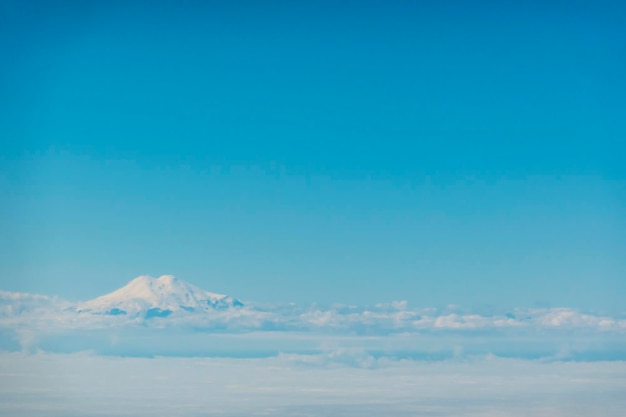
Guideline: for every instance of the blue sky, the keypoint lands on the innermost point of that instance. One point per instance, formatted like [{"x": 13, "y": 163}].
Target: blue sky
[{"x": 309, "y": 152}]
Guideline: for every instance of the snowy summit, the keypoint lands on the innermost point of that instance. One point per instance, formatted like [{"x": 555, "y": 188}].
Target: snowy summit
[{"x": 157, "y": 297}]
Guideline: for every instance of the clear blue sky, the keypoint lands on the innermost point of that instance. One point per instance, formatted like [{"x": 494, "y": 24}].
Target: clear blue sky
[{"x": 468, "y": 153}]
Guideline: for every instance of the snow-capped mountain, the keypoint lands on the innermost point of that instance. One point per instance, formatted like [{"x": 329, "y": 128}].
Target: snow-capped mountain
[{"x": 157, "y": 297}]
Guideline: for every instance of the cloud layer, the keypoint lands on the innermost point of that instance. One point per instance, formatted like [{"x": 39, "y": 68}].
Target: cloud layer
[
  {"x": 306, "y": 385},
  {"x": 19, "y": 309},
  {"x": 32, "y": 323}
]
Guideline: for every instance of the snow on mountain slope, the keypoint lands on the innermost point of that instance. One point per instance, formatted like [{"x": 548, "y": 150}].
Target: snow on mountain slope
[{"x": 157, "y": 297}]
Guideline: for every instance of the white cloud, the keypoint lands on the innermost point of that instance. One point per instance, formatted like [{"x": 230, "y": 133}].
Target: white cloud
[
  {"x": 341, "y": 383},
  {"x": 13, "y": 304}
]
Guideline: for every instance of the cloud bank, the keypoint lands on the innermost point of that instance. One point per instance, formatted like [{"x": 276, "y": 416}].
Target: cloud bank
[
  {"x": 306, "y": 385},
  {"x": 168, "y": 302},
  {"x": 21, "y": 309},
  {"x": 34, "y": 323}
]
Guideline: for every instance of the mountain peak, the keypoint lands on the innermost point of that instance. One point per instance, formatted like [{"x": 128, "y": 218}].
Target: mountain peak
[
  {"x": 148, "y": 296},
  {"x": 167, "y": 279}
]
